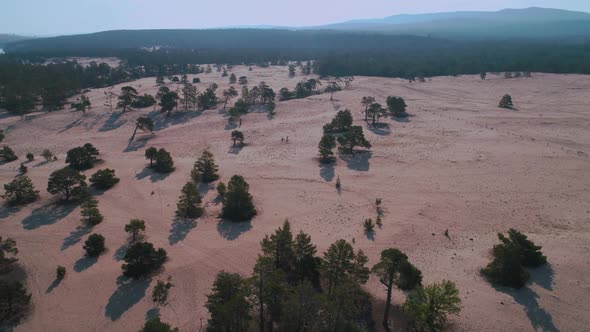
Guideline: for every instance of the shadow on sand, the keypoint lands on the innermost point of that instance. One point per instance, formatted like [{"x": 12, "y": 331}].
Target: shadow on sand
[
  {"x": 138, "y": 143},
  {"x": 381, "y": 129},
  {"x": 84, "y": 263},
  {"x": 128, "y": 293},
  {"x": 154, "y": 176},
  {"x": 236, "y": 149},
  {"x": 7, "y": 210},
  {"x": 358, "y": 161},
  {"x": 230, "y": 230},
  {"x": 51, "y": 287},
  {"x": 48, "y": 214},
  {"x": 162, "y": 121},
  {"x": 75, "y": 236},
  {"x": 327, "y": 171},
  {"x": 180, "y": 229},
  {"x": 120, "y": 252},
  {"x": 113, "y": 122}
]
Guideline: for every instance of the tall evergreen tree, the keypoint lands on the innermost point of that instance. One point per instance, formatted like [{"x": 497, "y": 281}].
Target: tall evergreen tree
[
  {"x": 205, "y": 169},
  {"x": 69, "y": 182},
  {"x": 90, "y": 213},
  {"x": 325, "y": 147},
  {"x": 237, "y": 203},
  {"x": 20, "y": 191},
  {"x": 189, "y": 202},
  {"x": 127, "y": 97},
  {"x": 353, "y": 138},
  {"x": 228, "y": 304}
]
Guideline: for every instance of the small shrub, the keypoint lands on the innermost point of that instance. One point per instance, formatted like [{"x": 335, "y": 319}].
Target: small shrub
[
  {"x": 428, "y": 307},
  {"x": 48, "y": 155},
  {"x": 60, "y": 272},
  {"x": 506, "y": 102},
  {"x": 30, "y": 156},
  {"x": 379, "y": 222},
  {"x": 90, "y": 213},
  {"x": 369, "y": 226},
  {"x": 161, "y": 290},
  {"x": 134, "y": 227},
  {"x": 156, "y": 325},
  {"x": 338, "y": 184},
  {"x": 7, "y": 154},
  {"x": 94, "y": 245},
  {"x": 141, "y": 258}
]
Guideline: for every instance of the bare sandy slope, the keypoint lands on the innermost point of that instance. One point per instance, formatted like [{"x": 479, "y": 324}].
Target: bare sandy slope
[{"x": 459, "y": 163}]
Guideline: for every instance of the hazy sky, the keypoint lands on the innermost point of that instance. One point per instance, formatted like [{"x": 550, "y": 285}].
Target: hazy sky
[{"x": 53, "y": 17}]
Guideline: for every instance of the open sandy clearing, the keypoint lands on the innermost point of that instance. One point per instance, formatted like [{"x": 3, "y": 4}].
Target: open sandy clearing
[{"x": 459, "y": 163}]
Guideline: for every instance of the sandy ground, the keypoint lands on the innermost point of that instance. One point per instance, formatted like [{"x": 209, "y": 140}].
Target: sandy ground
[{"x": 459, "y": 163}]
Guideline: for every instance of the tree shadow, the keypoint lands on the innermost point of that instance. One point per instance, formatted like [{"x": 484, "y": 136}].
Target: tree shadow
[
  {"x": 47, "y": 214},
  {"x": 41, "y": 163},
  {"x": 113, "y": 122},
  {"x": 154, "y": 176},
  {"x": 75, "y": 236},
  {"x": 84, "y": 263},
  {"x": 53, "y": 285},
  {"x": 7, "y": 210},
  {"x": 370, "y": 235},
  {"x": 231, "y": 125},
  {"x": 543, "y": 276},
  {"x": 138, "y": 143},
  {"x": 539, "y": 318},
  {"x": 236, "y": 149},
  {"x": 381, "y": 129},
  {"x": 73, "y": 124},
  {"x": 152, "y": 313},
  {"x": 204, "y": 188},
  {"x": 162, "y": 121},
  {"x": 358, "y": 161},
  {"x": 327, "y": 171},
  {"x": 402, "y": 119},
  {"x": 120, "y": 252},
  {"x": 180, "y": 229},
  {"x": 128, "y": 293},
  {"x": 230, "y": 230}
]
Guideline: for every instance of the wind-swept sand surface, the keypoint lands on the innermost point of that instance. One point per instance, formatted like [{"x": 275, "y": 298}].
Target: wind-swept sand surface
[{"x": 458, "y": 163}]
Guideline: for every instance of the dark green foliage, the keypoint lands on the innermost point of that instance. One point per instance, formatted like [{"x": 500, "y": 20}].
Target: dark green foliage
[
  {"x": 510, "y": 259},
  {"x": 156, "y": 325},
  {"x": 394, "y": 269},
  {"x": 367, "y": 101},
  {"x": 228, "y": 303},
  {"x": 243, "y": 80},
  {"x": 15, "y": 301},
  {"x": 369, "y": 226},
  {"x": 279, "y": 246},
  {"x": 341, "y": 122},
  {"x": 127, "y": 97},
  {"x": 7, "y": 247},
  {"x": 104, "y": 179},
  {"x": 94, "y": 245},
  {"x": 375, "y": 112},
  {"x": 338, "y": 265},
  {"x": 48, "y": 155},
  {"x": 352, "y": 138},
  {"x": 270, "y": 109},
  {"x": 143, "y": 101},
  {"x": 303, "y": 89},
  {"x": 69, "y": 182},
  {"x": 134, "y": 227},
  {"x": 90, "y": 213},
  {"x": 141, "y": 258},
  {"x": 229, "y": 94},
  {"x": 151, "y": 153},
  {"x": 161, "y": 290},
  {"x": 397, "y": 106},
  {"x": 30, "y": 156},
  {"x": 208, "y": 99},
  {"x": 325, "y": 147},
  {"x": 196, "y": 80},
  {"x": 82, "y": 157},
  {"x": 338, "y": 183},
  {"x": 483, "y": 75},
  {"x": 232, "y": 78},
  {"x": 164, "y": 162},
  {"x": 23, "y": 169},
  {"x": 506, "y": 102},
  {"x": 60, "y": 272},
  {"x": 159, "y": 80},
  {"x": 237, "y": 136},
  {"x": 189, "y": 202},
  {"x": 237, "y": 202},
  {"x": 20, "y": 191},
  {"x": 7, "y": 155},
  {"x": 428, "y": 307},
  {"x": 221, "y": 190},
  {"x": 268, "y": 288},
  {"x": 169, "y": 101},
  {"x": 2, "y": 135},
  {"x": 205, "y": 169},
  {"x": 291, "y": 70}
]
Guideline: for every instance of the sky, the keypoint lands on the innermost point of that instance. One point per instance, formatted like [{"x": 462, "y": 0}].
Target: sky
[{"x": 58, "y": 17}]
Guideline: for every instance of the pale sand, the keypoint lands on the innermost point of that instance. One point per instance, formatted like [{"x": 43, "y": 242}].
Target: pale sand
[{"x": 459, "y": 163}]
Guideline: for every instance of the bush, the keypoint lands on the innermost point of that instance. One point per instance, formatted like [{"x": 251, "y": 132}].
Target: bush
[
  {"x": 164, "y": 162},
  {"x": 369, "y": 226},
  {"x": 143, "y": 101},
  {"x": 510, "y": 258},
  {"x": 30, "y": 156},
  {"x": 237, "y": 136},
  {"x": 506, "y": 102},
  {"x": 69, "y": 182},
  {"x": 397, "y": 106},
  {"x": 141, "y": 258},
  {"x": 221, "y": 190},
  {"x": 60, "y": 272},
  {"x": 7, "y": 247},
  {"x": 14, "y": 301},
  {"x": 94, "y": 245},
  {"x": 82, "y": 157},
  {"x": 48, "y": 155},
  {"x": 237, "y": 202},
  {"x": 428, "y": 307},
  {"x": 7, "y": 155},
  {"x": 104, "y": 179},
  {"x": 20, "y": 191}
]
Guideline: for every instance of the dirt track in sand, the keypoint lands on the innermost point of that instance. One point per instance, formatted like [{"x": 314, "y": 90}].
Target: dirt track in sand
[{"x": 459, "y": 163}]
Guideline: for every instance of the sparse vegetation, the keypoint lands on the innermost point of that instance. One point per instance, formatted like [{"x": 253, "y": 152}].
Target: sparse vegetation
[
  {"x": 397, "y": 106},
  {"x": 369, "y": 226},
  {"x": 325, "y": 147},
  {"x": 156, "y": 325},
  {"x": 30, "y": 157},
  {"x": 341, "y": 122},
  {"x": 60, "y": 272},
  {"x": 48, "y": 155},
  {"x": 161, "y": 290},
  {"x": 126, "y": 98},
  {"x": 144, "y": 123},
  {"x": 151, "y": 153}
]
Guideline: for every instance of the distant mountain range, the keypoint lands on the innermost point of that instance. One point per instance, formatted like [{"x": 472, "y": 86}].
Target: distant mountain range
[{"x": 8, "y": 38}]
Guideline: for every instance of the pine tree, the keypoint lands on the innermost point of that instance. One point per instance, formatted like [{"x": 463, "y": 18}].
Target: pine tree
[
  {"x": 164, "y": 162},
  {"x": 353, "y": 138},
  {"x": 325, "y": 147},
  {"x": 69, "y": 182},
  {"x": 237, "y": 203},
  {"x": 151, "y": 153},
  {"x": 134, "y": 227},
  {"x": 189, "y": 202},
  {"x": 90, "y": 213},
  {"x": 20, "y": 191},
  {"x": 94, "y": 245},
  {"x": 205, "y": 169},
  {"x": 506, "y": 102},
  {"x": 228, "y": 303},
  {"x": 161, "y": 290}
]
